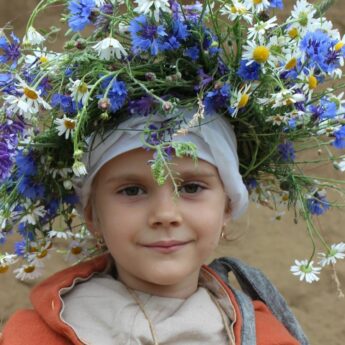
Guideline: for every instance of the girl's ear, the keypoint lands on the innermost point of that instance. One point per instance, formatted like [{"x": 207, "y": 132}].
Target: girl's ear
[
  {"x": 227, "y": 211},
  {"x": 90, "y": 217}
]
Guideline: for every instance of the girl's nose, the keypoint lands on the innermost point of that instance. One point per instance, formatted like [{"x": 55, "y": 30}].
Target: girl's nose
[{"x": 164, "y": 209}]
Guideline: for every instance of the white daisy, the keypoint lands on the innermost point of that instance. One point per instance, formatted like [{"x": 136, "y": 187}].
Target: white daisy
[
  {"x": 257, "y": 5},
  {"x": 340, "y": 165},
  {"x": 60, "y": 234},
  {"x": 237, "y": 10},
  {"x": 80, "y": 91},
  {"x": 33, "y": 37},
  {"x": 109, "y": 47},
  {"x": 28, "y": 271},
  {"x": 305, "y": 271},
  {"x": 77, "y": 251},
  {"x": 100, "y": 3},
  {"x": 336, "y": 252},
  {"x": 43, "y": 57},
  {"x": 277, "y": 119},
  {"x": 6, "y": 260},
  {"x": 239, "y": 99},
  {"x": 65, "y": 126},
  {"x": 261, "y": 54},
  {"x": 79, "y": 168},
  {"x": 145, "y": 7},
  {"x": 259, "y": 30},
  {"x": 32, "y": 212},
  {"x": 29, "y": 103}
]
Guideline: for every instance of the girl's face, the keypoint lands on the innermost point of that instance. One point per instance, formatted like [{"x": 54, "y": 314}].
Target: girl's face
[{"x": 158, "y": 241}]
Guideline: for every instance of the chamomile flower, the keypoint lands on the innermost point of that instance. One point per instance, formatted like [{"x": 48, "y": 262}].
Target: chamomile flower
[
  {"x": 32, "y": 213},
  {"x": 277, "y": 119},
  {"x": 258, "y": 53},
  {"x": 145, "y": 7},
  {"x": 77, "y": 251},
  {"x": 259, "y": 30},
  {"x": 80, "y": 91},
  {"x": 28, "y": 102},
  {"x": 305, "y": 271},
  {"x": 6, "y": 260},
  {"x": 65, "y": 126},
  {"x": 29, "y": 271},
  {"x": 237, "y": 10},
  {"x": 60, "y": 234},
  {"x": 239, "y": 99},
  {"x": 42, "y": 57},
  {"x": 257, "y": 6},
  {"x": 33, "y": 37},
  {"x": 336, "y": 252},
  {"x": 109, "y": 47}
]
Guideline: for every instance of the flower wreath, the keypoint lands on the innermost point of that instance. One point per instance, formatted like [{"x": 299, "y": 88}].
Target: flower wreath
[{"x": 145, "y": 57}]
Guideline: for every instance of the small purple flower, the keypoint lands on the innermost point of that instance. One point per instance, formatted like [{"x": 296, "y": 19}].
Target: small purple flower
[
  {"x": 116, "y": 95},
  {"x": 20, "y": 247},
  {"x": 103, "y": 21},
  {"x": 80, "y": 11},
  {"x": 146, "y": 36},
  {"x": 287, "y": 152},
  {"x": 339, "y": 141},
  {"x": 193, "y": 12},
  {"x": 6, "y": 161},
  {"x": 142, "y": 106},
  {"x": 318, "y": 204},
  {"x": 10, "y": 50},
  {"x": 204, "y": 79}
]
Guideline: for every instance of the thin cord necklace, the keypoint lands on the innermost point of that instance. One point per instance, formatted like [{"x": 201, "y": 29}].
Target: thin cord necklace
[{"x": 152, "y": 328}]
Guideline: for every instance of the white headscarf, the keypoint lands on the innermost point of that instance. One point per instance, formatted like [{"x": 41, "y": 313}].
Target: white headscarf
[{"x": 215, "y": 141}]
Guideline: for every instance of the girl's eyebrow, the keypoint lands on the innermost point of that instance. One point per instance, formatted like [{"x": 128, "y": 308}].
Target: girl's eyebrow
[{"x": 180, "y": 174}]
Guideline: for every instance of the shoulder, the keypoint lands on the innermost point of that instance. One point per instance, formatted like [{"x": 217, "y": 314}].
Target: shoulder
[{"x": 26, "y": 327}]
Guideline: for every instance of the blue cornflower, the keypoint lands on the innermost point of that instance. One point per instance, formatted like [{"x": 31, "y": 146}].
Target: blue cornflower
[
  {"x": 20, "y": 247},
  {"x": 339, "y": 141},
  {"x": 286, "y": 152},
  {"x": 71, "y": 199},
  {"x": 326, "y": 109},
  {"x": 142, "y": 106},
  {"x": 5, "y": 79},
  {"x": 29, "y": 188},
  {"x": 176, "y": 35},
  {"x": 318, "y": 204},
  {"x": 117, "y": 93},
  {"x": 25, "y": 164},
  {"x": 65, "y": 103},
  {"x": 10, "y": 50},
  {"x": 250, "y": 72},
  {"x": 26, "y": 231},
  {"x": 218, "y": 99},
  {"x": 192, "y": 52},
  {"x": 146, "y": 36},
  {"x": 319, "y": 52},
  {"x": 80, "y": 14},
  {"x": 276, "y": 4}
]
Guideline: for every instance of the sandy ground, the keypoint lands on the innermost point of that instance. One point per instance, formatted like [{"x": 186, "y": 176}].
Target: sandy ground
[{"x": 269, "y": 245}]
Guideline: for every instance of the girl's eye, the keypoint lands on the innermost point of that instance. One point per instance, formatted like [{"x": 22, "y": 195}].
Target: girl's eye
[
  {"x": 131, "y": 191},
  {"x": 191, "y": 188}
]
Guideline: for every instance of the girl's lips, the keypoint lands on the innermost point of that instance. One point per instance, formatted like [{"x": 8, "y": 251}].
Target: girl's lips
[{"x": 166, "y": 246}]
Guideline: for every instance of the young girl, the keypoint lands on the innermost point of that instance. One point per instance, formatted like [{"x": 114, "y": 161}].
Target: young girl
[
  {"x": 152, "y": 286},
  {"x": 149, "y": 125}
]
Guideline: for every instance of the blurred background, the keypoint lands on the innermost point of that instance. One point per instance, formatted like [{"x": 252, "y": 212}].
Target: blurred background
[{"x": 258, "y": 238}]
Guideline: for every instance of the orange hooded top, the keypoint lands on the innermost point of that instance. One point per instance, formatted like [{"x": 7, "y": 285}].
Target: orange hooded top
[{"x": 43, "y": 323}]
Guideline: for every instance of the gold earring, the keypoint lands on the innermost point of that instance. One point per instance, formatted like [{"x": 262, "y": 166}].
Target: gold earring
[
  {"x": 100, "y": 243},
  {"x": 223, "y": 234}
]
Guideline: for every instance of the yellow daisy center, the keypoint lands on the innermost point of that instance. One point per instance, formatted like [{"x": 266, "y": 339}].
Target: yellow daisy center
[
  {"x": 82, "y": 88},
  {"x": 29, "y": 93},
  {"x": 42, "y": 254},
  {"x": 303, "y": 19},
  {"x": 76, "y": 250},
  {"x": 29, "y": 269},
  {"x": 69, "y": 124},
  {"x": 291, "y": 64},
  {"x": 338, "y": 46},
  {"x": 312, "y": 82},
  {"x": 243, "y": 101},
  {"x": 257, "y": 2},
  {"x": 4, "y": 269},
  {"x": 261, "y": 54},
  {"x": 293, "y": 33},
  {"x": 43, "y": 59}
]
